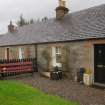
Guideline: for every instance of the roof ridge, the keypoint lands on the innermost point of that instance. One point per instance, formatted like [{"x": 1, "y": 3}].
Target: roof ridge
[{"x": 87, "y": 9}]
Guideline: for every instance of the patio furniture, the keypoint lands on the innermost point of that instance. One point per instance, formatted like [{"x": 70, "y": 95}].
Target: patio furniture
[{"x": 14, "y": 67}]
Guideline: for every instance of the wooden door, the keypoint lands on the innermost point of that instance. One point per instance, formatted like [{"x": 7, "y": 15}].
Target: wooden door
[{"x": 99, "y": 63}]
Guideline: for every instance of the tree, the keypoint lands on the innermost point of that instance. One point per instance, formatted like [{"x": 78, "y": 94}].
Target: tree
[
  {"x": 44, "y": 19},
  {"x": 31, "y": 21},
  {"x": 22, "y": 21}
]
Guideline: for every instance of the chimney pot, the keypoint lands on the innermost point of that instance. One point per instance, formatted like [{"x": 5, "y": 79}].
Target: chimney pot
[
  {"x": 62, "y": 3},
  {"x": 11, "y": 27},
  {"x": 61, "y": 10}
]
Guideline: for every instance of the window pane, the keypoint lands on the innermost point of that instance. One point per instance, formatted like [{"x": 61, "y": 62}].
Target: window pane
[
  {"x": 58, "y": 50},
  {"x": 58, "y": 58}
]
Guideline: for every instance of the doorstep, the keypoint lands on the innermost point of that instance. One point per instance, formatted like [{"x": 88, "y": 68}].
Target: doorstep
[{"x": 99, "y": 85}]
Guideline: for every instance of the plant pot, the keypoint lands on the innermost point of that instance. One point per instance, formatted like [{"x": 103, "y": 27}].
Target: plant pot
[{"x": 87, "y": 79}]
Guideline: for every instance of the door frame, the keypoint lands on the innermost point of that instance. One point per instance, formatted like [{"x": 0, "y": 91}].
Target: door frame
[
  {"x": 93, "y": 53},
  {"x": 7, "y": 53}
]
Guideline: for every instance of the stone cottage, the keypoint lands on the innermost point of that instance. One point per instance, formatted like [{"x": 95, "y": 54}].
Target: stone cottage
[{"x": 69, "y": 41}]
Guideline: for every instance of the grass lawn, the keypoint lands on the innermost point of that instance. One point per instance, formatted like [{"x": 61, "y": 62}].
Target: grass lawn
[{"x": 15, "y": 93}]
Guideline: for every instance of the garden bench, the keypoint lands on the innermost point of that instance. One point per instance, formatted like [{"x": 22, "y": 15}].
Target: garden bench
[{"x": 16, "y": 68}]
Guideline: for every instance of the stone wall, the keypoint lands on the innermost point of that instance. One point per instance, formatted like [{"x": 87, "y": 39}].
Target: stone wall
[
  {"x": 2, "y": 53},
  {"x": 44, "y": 57},
  {"x": 74, "y": 56},
  {"x": 28, "y": 52}
]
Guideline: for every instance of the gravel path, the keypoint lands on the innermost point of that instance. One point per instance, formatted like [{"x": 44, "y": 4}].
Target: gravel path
[{"x": 67, "y": 89}]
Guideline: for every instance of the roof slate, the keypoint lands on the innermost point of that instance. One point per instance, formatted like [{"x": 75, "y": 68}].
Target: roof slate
[{"x": 85, "y": 24}]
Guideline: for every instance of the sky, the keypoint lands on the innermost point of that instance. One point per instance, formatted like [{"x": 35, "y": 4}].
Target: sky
[{"x": 12, "y": 9}]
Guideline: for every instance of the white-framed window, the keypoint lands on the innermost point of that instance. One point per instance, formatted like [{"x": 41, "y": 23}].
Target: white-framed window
[
  {"x": 58, "y": 50},
  {"x": 56, "y": 56},
  {"x": 21, "y": 53}
]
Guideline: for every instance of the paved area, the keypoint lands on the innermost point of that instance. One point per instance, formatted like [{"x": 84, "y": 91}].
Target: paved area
[{"x": 67, "y": 89}]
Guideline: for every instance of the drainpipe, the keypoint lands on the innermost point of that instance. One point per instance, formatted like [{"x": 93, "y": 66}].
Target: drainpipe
[
  {"x": 7, "y": 54},
  {"x": 36, "y": 56}
]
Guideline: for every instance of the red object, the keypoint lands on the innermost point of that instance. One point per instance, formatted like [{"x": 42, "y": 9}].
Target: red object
[{"x": 18, "y": 67}]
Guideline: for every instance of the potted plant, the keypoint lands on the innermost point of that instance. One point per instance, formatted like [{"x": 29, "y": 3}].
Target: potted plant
[{"x": 87, "y": 77}]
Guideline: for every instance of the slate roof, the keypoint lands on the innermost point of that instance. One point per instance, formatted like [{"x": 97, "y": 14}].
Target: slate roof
[{"x": 82, "y": 25}]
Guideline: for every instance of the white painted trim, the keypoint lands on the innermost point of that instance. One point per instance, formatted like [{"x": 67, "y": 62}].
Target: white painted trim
[
  {"x": 20, "y": 53},
  {"x": 54, "y": 63},
  {"x": 5, "y": 53}
]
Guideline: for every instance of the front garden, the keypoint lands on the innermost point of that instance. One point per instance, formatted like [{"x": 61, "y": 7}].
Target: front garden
[{"x": 15, "y": 93}]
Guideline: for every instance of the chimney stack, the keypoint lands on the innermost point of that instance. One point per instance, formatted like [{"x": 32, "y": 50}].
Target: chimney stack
[
  {"x": 11, "y": 27},
  {"x": 61, "y": 10}
]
